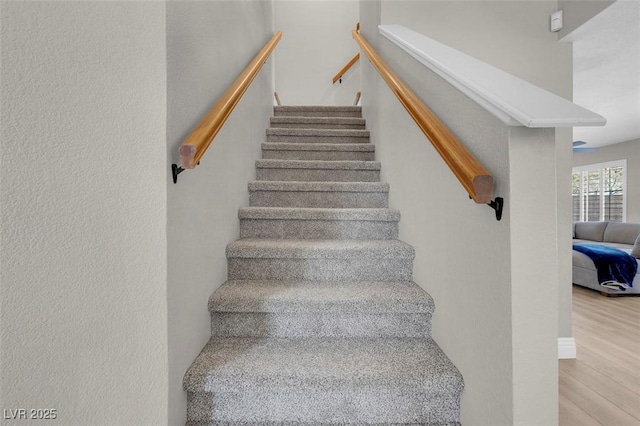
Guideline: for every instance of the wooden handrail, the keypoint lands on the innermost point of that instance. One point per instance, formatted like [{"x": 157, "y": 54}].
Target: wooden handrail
[
  {"x": 472, "y": 175},
  {"x": 344, "y": 69},
  {"x": 196, "y": 144},
  {"x": 357, "y": 99}
]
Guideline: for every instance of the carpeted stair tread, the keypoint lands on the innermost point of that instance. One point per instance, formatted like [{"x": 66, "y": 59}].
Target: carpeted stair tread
[
  {"x": 318, "y": 132},
  {"x": 295, "y": 193},
  {"x": 319, "y": 223},
  {"x": 318, "y": 151},
  {"x": 302, "y": 213},
  {"x": 290, "y": 186},
  {"x": 317, "y": 170},
  {"x": 263, "y": 248},
  {"x": 318, "y": 164},
  {"x": 242, "y": 423},
  {"x": 313, "y": 136},
  {"x": 305, "y": 108},
  {"x": 317, "y": 122},
  {"x": 345, "y": 147},
  {"x": 314, "y": 111},
  {"x": 320, "y": 296},
  {"x": 352, "y": 364}
]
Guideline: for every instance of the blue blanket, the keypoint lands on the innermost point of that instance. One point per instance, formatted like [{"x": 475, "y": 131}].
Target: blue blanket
[{"x": 616, "y": 269}]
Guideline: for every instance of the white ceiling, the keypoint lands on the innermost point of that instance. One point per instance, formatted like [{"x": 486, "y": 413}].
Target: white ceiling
[{"x": 606, "y": 73}]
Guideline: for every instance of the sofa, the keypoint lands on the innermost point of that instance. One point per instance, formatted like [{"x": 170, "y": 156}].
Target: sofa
[{"x": 623, "y": 236}]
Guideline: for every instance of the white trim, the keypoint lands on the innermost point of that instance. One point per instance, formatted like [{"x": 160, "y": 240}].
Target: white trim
[
  {"x": 599, "y": 166},
  {"x": 512, "y": 100},
  {"x": 614, "y": 163},
  {"x": 567, "y": 348}
]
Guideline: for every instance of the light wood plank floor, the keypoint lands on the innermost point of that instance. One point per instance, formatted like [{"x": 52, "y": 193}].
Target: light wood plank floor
[{"x": 602, "y": 386}]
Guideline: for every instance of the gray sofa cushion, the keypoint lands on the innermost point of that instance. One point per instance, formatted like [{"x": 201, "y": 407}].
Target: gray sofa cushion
[
  {"x": 635, "y": 251},
  {"x": 593, "y": 231},
  {"x": 600, "y": 233},
  {"x": 618, "y": 232}
]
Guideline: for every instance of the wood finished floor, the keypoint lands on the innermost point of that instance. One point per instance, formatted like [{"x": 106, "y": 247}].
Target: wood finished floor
[{"x": 602, "y": 386}]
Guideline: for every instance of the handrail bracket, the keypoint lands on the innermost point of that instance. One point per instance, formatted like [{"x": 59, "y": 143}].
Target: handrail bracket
[
  {"x": 175, "y": 171},
  {"x": 497, "y": 205}
]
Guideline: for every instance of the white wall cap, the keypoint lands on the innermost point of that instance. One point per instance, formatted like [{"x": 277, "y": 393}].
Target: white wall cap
[{"x": 512, "y": 100}]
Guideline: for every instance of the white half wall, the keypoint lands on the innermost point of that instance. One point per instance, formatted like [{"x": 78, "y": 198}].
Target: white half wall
[
  {"x": 208, "y": 44},
  {"x": 84, "y": 169},
  {"x": 495, "y": 284},
  {"x": 316, "y": 44},
  {"x": 534, "y": 275},
  {"x": 513, "y": 36},
  {"x": 564, "y": 157}
]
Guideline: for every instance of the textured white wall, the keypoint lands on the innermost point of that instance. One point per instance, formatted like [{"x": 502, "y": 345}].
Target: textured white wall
[
  {"x": 316, "y": 44},
  {"x": 564, "y": 157},
  {"x": 513, "y": 36},
  {"x": 486, "y": 277},
  {"x": 83, "y": 246},
  {"x": 629, "y": 151},
  {"x": 208, "y": 44},
  {"x": 577, "y": 12},
  {"x": 534, "y": 276}
]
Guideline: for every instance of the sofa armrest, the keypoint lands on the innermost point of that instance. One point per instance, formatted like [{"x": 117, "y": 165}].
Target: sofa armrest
[{"x": 635, "y": 251}]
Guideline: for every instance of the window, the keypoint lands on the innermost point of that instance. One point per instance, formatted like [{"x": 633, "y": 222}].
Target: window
[{"x": 598, "y": 192}]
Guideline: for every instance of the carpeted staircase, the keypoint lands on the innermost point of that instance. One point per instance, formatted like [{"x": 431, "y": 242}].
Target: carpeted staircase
[{"x": 319, "y": 322}]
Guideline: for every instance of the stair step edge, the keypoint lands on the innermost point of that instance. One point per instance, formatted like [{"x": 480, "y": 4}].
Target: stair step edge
[
  {"x": 317, "y": 108},
  {"x": 266, "y": 248},
  {"x": 304, "y": 297},
  {"x": 323, "y": 363},
  {"x": 318, "y": 164},
  {"x": 285, "y": 146},
  {"x": 310, "y": 213},
  {"x": 243, "y": 423},
  {"x": 285, "y": 131},
  {"x": 319, "y": 120},
  {"x": 294, "y": 186}
]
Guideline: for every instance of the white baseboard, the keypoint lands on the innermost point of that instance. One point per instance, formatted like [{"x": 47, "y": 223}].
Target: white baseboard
[{"x": 567, "y": 348}]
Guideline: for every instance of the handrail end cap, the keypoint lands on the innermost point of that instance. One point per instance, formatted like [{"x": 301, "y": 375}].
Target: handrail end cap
[
  {"x": 187, "y": 156},
  {"x": 483, "y": 188}
]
